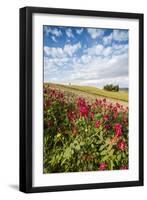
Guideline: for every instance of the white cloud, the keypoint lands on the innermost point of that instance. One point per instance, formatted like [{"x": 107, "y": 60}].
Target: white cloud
[
  {"x": 79, "y": 31},
  {"x": 100, "y": 71},
  {"x": 95, "y": 50},
  {"x": 100, "y": 50},
  {"x": 107, "y": 40},
  {"x": 97, "y": 66},
  {"x": 116, "y": 35},
  {"x": 54, "y": 38},
  {"x": 69, "y": 33},
  {"x": 94, "y": 33},
  {"x": 71, "y": 49},
  {"x": 119, "y": 49},
  {"x": 54, "y": 52},
  {"x": 67, "y": 50},
  {"x": 107, "y": 51},
  {"x": 53, "y": 31},
  {"x": 85, "y": 58},
  {"x": 120, "y": 35}
]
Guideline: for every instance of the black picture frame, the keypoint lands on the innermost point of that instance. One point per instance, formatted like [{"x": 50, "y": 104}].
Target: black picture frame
[{"x": 26, "y": 99}]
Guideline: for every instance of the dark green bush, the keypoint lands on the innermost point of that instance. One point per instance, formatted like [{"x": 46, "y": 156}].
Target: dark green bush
[{"x": 111, "y": 87}]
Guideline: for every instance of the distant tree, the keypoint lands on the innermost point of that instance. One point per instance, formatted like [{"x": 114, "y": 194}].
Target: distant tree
[{"x": 111, "y": 87}]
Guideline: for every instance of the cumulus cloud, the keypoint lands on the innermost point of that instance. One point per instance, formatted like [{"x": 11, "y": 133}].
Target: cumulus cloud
[
  {"x": 58, "y": 52},
  {"x": 79, "y": 31},
  {"x": 95, "y": 50},
  {"x": 120, "y": 35},
  {"x": 91, "y": 69},
  {"x": 97, "y": 63},
  {"x": 107, "y": 40},
  {"x": 94, "y": 33},
  {"x": 71, "y": 49},
  {"x": 69, "y": 33},
  {"x": 53, "y": 31}
]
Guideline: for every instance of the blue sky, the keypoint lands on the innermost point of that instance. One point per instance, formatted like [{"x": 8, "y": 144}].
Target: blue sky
[{"x": 85, "y": 56}]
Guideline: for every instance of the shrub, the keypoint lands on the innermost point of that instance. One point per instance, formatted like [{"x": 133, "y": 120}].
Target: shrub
[{"x": 111, "y": 87}]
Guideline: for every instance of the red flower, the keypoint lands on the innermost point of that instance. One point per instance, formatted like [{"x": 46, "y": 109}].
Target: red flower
[
  {"x": 124, "y": 167},
  {"x": 48, "y": 103},
  {"x": 83, "y": 107},
  {"x": 84, "y": 111},
  {"x": 92, "y": 115},
  {"x": 71, "y": 115},
  {"x": 115, "y": 115},
  {"x": 106, "y": 117},
  {"x": 102, "y": 166},
  {"x": 115, "y": 109},
  {"x": 118, "y": 130},
  {"x": 97, "y": 124},
  {"x": 117, "y": 126},
  {"x": 107, "y": 126},
  {"x": 122, "y": 145},
  {"x": 117, "y": 105}
]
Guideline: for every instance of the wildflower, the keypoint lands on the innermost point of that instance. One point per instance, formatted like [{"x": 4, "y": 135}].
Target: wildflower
[
  {"x": 118, "y": 129},
  {"x": 117, "y": 105},
  {"x": 71, "y": 115},
  {"x": 124, "y": 167},
  {"x": 115, "y": 115},
  {"x": 84, "y": 111},
  {"x": 83, "y": 107},
  {"x": 122, "y": 145},
  {"x": 92, "y": 115},
  {"x": 97, "y": 124},
  {"x": 48, "y": 103},
  {"x": 106, "y": 117},
  {"x": 108, "y": 126},
  {"x": 102, "y": 166}
]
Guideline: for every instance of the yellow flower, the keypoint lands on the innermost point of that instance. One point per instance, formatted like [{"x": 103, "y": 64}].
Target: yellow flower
[{"x": 58, "y": 135}]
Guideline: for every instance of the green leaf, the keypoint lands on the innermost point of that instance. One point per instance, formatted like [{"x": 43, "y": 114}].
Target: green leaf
[
  {"x": 107, "y": 141},
  {"x": 111, "y": 165},
  {"x": 104, "y": 152},
  {"x": 67, "y": 153},
  {"x": 102, "y": 147},
  {"x": 98, "y": 116},
  {"x": 78, "y": 147},
  {"x": 119, "y": 157},
  {"x": 105, "y": 158},
  {"x": 111, "y": 152}
]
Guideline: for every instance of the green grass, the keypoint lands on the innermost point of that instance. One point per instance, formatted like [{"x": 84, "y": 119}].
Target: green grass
[{"x": 121, "y": 95}]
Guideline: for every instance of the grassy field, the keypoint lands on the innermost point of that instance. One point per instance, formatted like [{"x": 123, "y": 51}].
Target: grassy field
[{"x": 121, "y": 95}]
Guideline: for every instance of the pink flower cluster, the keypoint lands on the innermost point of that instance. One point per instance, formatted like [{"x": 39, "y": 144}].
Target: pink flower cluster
[
  {"x": 83, "y": 107},
  {"x": 118, "y": 129},
  {"x": 122, "y": 145},
  {"x": 102, "y": 166}
]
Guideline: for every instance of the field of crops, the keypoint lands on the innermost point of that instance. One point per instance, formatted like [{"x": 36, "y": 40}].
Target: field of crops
[{"x": 83, "y": 132}]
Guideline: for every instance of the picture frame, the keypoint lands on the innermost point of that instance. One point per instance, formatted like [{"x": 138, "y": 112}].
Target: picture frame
[{"x": 31, "y": 76}]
